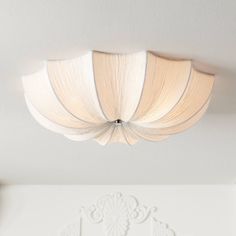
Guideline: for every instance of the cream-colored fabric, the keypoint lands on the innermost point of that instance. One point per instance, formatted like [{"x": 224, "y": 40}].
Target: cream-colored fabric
[
  {"x": 118, "y": 97},
  {"x": 105, "y": 138},
  {"x": 165, "y": 82},
  {"x": 119, "y": 80},
  {"x": 196, "y": 95},
  {"x": 73, "y": 84},
  {"x": 39, "y": 92}
]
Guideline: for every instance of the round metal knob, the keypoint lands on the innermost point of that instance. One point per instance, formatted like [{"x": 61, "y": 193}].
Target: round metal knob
[{"x": 118, "y": 121}]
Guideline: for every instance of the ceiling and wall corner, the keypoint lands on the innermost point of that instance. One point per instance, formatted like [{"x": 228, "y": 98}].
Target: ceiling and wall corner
[{"x": 33, "y": 31}]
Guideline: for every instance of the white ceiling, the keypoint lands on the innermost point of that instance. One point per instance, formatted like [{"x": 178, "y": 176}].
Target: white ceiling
[{"x": 34, "y": 30}]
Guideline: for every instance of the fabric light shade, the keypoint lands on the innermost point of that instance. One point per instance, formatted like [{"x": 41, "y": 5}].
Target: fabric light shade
[{"x": 118, "y": 97}]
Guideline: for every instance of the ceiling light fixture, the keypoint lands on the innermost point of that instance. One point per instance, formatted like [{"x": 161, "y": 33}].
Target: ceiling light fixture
[{"x": 118, "y": 97}]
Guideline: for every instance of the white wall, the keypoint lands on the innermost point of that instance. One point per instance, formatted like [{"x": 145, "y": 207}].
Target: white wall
[{"x": 188, "y": 210}]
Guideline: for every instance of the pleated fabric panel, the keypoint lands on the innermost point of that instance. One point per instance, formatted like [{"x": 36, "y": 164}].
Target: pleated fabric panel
[
  {"x": 118, "y": 97},
  {"x": 48, "y": 109},
  {"x": 195, "y": 99},
  {"x": 165, "y": 82},
  {"x": 119, "y": 81},
  {"x": 73, "y": 84},
  {"x": 39, "y": 94}
]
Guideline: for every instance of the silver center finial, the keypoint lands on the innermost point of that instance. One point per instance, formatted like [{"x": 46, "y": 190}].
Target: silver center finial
[{"x": 118, "y": 122}]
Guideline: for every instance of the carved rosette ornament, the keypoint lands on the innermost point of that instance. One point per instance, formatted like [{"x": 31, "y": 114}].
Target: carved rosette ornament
[{"x": 117, "y": 213}]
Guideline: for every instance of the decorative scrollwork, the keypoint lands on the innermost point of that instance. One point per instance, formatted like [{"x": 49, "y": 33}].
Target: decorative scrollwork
[{"x": 117, "y": 213}]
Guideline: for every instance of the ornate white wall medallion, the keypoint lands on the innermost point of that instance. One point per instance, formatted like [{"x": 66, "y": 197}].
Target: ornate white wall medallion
[{"x": 117, "y": 213}]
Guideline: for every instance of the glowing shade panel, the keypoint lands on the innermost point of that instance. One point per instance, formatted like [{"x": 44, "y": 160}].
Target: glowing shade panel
[{"x": 118, "y": 97}]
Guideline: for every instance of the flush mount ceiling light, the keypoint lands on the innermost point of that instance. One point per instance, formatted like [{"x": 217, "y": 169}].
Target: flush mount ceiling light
[{"x": 118, "y": 97}]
